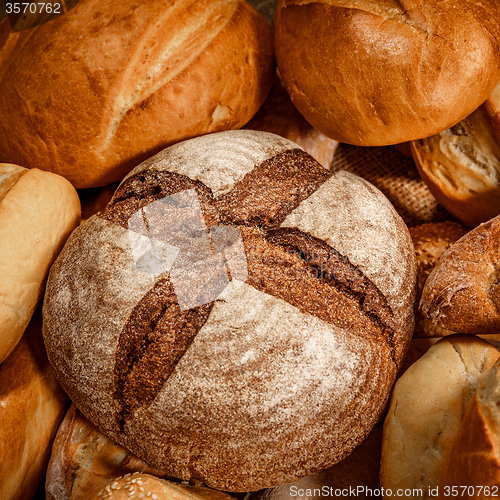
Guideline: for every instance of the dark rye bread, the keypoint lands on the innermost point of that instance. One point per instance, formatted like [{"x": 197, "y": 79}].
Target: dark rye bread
[{"x": 301, "y": 286}]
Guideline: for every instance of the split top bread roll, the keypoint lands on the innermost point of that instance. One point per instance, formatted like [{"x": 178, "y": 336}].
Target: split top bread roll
[
  {"x": 462, "y": 292},
  {"x": 426, "y": 410},
  {"x": 93, "y": 92},
  {"x": 374, "y": 73},
  {"x": 237, "y": 314},
  {"x": 38, "y": 210}
]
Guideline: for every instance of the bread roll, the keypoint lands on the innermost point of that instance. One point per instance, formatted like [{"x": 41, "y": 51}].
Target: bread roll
[
  {"x": 475, "y": 458},
  {"x": 279, "y": 116},
  {"x": 462, "y": 292},
  {"x": 461, "y": 165},
  {"x": 241, "y": 383},
  {"x": 38, "y": 210},
  {"x": 378, "y": 73},
  {"x": 91, "y": 93},
  {"x": 84, "y": 461},
  {"x": 425, "y": 412},
  {"x": 138, "y": 486},
  {"x": 32, "y": 404},
  {"x": 431, "y": 241}
]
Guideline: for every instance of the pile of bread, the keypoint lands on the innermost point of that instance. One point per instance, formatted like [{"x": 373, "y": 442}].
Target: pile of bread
[{"x": 251, "y": 257}]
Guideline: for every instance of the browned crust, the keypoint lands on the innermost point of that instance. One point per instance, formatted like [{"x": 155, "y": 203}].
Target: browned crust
[
  {"x": 270, "y": 192},
  {"x": 151, "y": 343},
  {"x": 474, "y": 459},
  {"x": 100, "y": 132},
  {"x": 441, "y": 67},
  {"x": 462, "y": 293}
]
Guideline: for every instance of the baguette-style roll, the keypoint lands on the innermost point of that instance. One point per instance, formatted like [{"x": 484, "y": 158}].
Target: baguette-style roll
[
  {"x": 38, "y": 211},
  {"x": 94, "y": 92},
  {"x": 462, "y": 293},
  {"x": 426, "y": 409}
]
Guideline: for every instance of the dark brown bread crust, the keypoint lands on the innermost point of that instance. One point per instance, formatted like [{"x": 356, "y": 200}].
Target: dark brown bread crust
[
  {"x": 153, "y": 340},
  {"x": 278, "y": 353}
]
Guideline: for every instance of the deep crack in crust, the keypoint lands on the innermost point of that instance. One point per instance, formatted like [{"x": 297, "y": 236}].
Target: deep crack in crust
[{"x": 286, "y": 263}]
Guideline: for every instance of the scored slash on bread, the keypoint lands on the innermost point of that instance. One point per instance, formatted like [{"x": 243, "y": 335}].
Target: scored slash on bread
[{"x": 269, "y": 381}]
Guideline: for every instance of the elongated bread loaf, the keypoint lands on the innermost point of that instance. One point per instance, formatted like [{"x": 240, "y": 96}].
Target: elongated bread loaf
[
  {"x": 94, "y": 92},
  {"x": 237, "y": 314},
  {"x": 38, "y": 210}
]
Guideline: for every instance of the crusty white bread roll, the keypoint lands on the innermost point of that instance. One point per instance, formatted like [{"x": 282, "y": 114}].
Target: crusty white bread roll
[
  {"x": 377, "y": 73},
  {"x": 94, "y": 92},
  {"x": 431, "y": 240},
  {"x": 461, "y": 165},
  {"x": 84, "y": 461},
  {"x": 359, "y": 471},
  {"x": 279, "y": 116},
  {"x": 426, "y": 409},
  {"x": 32, "y": 404},
  {"x": 38, "y": 211},
  {"x": 462, "y": 292},
  {"x": 249, "y": 356},
  {"x": 474, "y": 462},
  {"x": 139, "y": 486}
]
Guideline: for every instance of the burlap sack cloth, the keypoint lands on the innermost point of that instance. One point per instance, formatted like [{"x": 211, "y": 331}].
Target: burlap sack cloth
[{"x": 397, "y": 177}]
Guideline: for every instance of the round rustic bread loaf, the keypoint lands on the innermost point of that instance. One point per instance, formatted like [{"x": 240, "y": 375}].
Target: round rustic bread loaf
[
  {"x": 91, "y": 93},
  {"x": 426, "y": 409},
  {"x": 376, "y": 73},
  {"x": 461, "y": 165},
  {"x": 32, "y": 405},
  {"x": 237, "y": 314},
  {"x": 38, "y": 211}
]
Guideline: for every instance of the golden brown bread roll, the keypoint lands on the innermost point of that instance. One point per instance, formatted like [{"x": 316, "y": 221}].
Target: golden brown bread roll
[
  {"x": 140, "y": 486},
  {"x": 462, "y": 292},
  {"x": 279, "y": 116},
  {"x": 426, "y": 409},
  {"x": 474, "y": 462},
  {"x": 254, "y": 380},
  {"x": 461, "y": 165},
  {"x": 431, "y": 241},
  {"x": 32, "y": 404},
  {"x": 83, "y": 460},
  {"x": 377, "y": 73},
  {"x": 38, "y": 210},
  {"x": 93, "y": 92}
]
